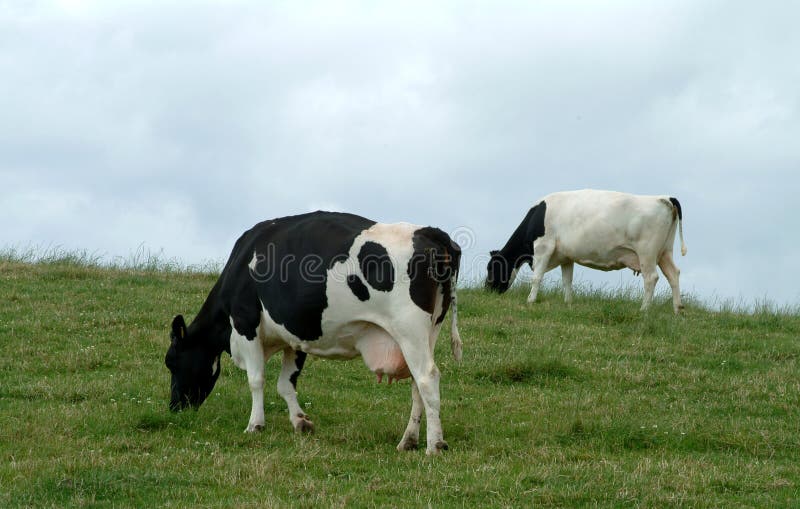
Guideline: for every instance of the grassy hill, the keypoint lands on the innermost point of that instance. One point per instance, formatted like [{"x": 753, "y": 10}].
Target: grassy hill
[{"x": 589, "y": 405}]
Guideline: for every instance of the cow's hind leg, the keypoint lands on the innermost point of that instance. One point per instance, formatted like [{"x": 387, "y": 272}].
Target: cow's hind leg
[
  {"x": 566, "y": 281},
  {"x": 672, "y": 273},
  {"x": 426, "y": 375},
  {"x": 419, "y": 359},
  {"x": 650, "y": 277},
  {"x": 293, "y": 361},
  {"x": 410, "y": 440}
]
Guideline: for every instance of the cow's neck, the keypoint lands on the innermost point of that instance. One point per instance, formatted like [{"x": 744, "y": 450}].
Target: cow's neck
[
  {"x": 213, "y": 325},
  {"x": 519, "y": 248}
]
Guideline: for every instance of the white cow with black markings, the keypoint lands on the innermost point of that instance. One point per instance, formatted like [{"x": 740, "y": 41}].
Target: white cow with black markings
[
  {"x": 605, "y": 230},
  {"x": 328, "y": 284}
]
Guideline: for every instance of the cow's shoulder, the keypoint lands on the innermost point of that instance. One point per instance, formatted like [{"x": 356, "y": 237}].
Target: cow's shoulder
[{"x": 235, "y": 291}]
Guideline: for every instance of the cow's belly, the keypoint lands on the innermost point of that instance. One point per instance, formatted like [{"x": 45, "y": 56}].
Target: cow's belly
[
  {"x": 343, "y": 347},
  {"x": 379, "y": 350},
  {"x": 600, "y": 265},
  {"x": 613, "y": 259}
]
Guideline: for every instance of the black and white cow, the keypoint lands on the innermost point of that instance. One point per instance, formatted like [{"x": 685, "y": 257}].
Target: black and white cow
[
  {"x": 604, "y": 230},
  {"x": 328, "y": 284}
]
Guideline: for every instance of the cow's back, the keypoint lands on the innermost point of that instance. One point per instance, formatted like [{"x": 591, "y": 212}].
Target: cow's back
[{"x": 590, "y": 222}]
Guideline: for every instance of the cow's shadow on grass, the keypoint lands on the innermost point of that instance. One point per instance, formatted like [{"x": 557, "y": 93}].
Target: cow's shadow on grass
[{"x": 529, "y": 372}]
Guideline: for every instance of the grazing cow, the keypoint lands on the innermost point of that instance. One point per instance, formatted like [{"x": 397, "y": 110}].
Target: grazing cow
[
  {"x": 328, "y": 284},
  {"x": 604, "y": 230}
]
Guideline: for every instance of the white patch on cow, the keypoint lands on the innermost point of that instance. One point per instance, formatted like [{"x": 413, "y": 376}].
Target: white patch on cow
[
  {"x": 215, "y": 366},
  {"x": 438, "y": 304},
  {"x": 253, "y": 262}
]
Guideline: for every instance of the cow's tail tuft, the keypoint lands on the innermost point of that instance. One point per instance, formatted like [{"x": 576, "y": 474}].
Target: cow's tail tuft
[
  {"x": 677, "y": 205},
  {"x": 455, "y": 337}
]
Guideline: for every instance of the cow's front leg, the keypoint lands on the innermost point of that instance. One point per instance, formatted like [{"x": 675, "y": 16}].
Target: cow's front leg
[
  {"x": 293, "y": 362},
  {"x": 253, "y": 357},
  {"x": 410, "y": 440},
  {"x": 249, "y": 355},
  {"x": 541, "y": 264}
]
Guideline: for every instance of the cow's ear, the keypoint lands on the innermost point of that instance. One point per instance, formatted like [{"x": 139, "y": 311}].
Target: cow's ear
[
  {"x": 178, "y": 329},
  {"x": 494, "y": 252}
]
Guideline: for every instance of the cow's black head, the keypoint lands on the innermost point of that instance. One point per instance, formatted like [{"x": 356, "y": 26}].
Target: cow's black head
[
  {"x": 194, "y": 366},
  {"x": 499, "y": 272}
]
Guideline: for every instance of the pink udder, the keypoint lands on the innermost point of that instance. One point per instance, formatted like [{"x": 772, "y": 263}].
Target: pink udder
[{"x": 385, "y": 358}]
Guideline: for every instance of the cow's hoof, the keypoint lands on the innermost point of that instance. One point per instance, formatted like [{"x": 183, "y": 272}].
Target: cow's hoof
[
  {"x": 303, "y": 425},
  {"x": 408, "y": 444},
  {"x": 254, "y": 428},
  {"x": 440, "y": 446}
]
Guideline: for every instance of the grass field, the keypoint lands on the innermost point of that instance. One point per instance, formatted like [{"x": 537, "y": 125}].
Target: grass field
[{"x": 589, "y": 405}]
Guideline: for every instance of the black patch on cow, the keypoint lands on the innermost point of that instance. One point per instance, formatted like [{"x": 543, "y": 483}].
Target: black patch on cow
[
  {"x": 245, "y": 309},
  {"x": 376, "y": 265},
  {"x": 677, "y": 206},
  {"x": 293, "y": 255},
  {"x": 433, "y": 265},
  {"x": 536, "y": 224},
  {"x": 518, "y": 250},
  {"x": 212, "y": 327},
  {"x": 358, "y": 288},
  {"x": 299, "y": 361}
]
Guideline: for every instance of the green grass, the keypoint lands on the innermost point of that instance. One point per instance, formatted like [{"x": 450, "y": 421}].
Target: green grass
[{"x": 590, "y": 405}]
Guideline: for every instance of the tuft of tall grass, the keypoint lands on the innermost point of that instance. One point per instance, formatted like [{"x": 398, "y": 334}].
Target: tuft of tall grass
[{"x": 140, "y": 260}]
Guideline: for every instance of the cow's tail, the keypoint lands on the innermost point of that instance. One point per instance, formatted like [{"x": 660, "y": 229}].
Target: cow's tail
[
  {"x": 677, "y": 205},
  {"x": 455, "y": 337}
]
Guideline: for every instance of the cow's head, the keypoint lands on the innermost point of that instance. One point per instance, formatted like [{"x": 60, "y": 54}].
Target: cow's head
[
  {"x": 500, "y": 272},
  {"x": 194, "y": 367}
]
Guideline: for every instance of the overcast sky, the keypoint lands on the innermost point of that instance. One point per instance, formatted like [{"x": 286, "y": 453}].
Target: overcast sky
[{"x": 174, "y": 126}]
